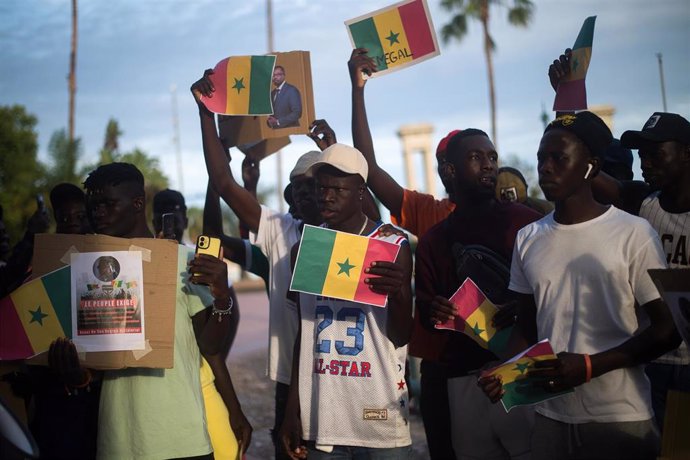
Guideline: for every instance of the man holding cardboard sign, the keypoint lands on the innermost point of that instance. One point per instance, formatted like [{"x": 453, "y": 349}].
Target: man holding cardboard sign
[{"x": 135, "y": 401}]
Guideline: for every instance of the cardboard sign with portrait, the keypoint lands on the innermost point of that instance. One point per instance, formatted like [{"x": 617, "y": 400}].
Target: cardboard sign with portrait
[
  {"x": 292, "y": 95},
  {"x": 157, "y": 282}
]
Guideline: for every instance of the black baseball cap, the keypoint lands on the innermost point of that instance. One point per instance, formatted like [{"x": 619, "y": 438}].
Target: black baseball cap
[
  {"x": 587, "y": 127},
  {"x": 661, "y": 127},
  {"x": 168, "y": 201}
]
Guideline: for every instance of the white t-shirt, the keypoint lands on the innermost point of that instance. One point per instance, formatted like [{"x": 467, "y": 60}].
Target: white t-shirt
[
  {"x": 276, "y": 235},
  {"x": 588, "y": 281}
]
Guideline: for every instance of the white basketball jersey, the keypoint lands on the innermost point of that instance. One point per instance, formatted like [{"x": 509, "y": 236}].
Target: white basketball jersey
[
  {"x": 674, "y": 232},
  {"x": 352, "y": 385},
  {"x": 673, "y": 229}
]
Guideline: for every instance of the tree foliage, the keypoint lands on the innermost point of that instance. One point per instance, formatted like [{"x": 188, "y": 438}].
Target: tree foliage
[
  {"x": 64, "y": 155},
  {"x": 22, "y": 176},
  {"x": 519, "y": 14},
  {"x": 154, "y": 178}
]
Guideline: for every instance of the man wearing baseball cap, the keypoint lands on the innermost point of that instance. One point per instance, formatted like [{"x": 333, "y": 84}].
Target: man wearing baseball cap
[
  {"x": 580, "y": 277},
  {"x": 359, "y": 407},
  {"x": 663, "y": 145}
]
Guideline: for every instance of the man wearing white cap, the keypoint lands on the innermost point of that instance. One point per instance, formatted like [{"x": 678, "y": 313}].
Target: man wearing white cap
[
  {"x": 273, "y": 232},
  {"x": 358, "y": 408}
]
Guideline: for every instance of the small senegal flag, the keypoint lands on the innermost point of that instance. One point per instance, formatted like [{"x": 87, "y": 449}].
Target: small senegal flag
[
  {"x": 475, "y": 312},
  {"x": 520, "y": 389},
  {"x": 571, "y": 93},
  {"x": 397, "y": 36},
  {"x": 35, "y": 314},
  {"x": 332, "y": 263},
  {"x": 242, "y": 86}
]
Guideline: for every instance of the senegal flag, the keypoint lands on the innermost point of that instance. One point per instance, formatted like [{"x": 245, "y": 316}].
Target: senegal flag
[
  {"x": 571, "y": 93},
  {"x": 475, "y": 312},
  {"x": 520, "y": 390},
  {"x": 332, "y": 263},
  {"x": 396, "y": 36},
  {"x": 242, "y": 86},
  {"x": 35, "y": 314}
]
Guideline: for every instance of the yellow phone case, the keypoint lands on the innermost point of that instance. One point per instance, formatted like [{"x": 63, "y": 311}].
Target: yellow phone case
[{"x": 208, "y": 245}]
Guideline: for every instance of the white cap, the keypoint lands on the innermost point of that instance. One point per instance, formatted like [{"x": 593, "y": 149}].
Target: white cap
[
  {"x": 304, "y": 163},
  {"x": 344, "y": 158}
]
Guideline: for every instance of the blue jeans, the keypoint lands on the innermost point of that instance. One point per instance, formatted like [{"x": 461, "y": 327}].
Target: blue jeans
[{"x": 359, "y": 453}]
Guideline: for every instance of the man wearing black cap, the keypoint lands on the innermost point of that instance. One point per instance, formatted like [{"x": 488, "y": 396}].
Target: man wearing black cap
[
  {"x": 663, "y": 199},
  {"x": 578, "y": 274}
]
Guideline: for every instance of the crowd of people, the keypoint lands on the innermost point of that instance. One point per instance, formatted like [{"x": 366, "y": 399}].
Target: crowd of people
[{"x": 571, "y": 268}]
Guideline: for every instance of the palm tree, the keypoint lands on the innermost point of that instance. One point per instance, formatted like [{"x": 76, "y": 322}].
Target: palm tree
[{"x": 519, "y": 14}]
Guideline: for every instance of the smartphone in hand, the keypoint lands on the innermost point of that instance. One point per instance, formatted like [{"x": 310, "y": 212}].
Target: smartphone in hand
[
  {"x": 208, "y": 245},
  {"x": 168, "y": 226}
]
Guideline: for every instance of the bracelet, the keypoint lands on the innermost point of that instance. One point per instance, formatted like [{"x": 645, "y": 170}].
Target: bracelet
[
  {"x": 588, "y": 368},
  {"x": 86, "y": 382},
  {"x": 74, "y": 389},
  {"x": 220, "y": 313}
]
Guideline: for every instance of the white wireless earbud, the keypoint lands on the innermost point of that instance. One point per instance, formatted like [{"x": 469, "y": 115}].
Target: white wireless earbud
[{"x": 589, "y": 170}]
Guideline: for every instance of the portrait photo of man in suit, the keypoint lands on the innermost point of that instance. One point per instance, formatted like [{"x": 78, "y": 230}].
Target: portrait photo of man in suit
[{"x": 287, "y": 102}]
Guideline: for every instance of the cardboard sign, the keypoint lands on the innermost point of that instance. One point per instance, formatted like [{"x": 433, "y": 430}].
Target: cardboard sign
[
  {"x": 159, "y": 257},
  {"x": 293, "y": 105}
]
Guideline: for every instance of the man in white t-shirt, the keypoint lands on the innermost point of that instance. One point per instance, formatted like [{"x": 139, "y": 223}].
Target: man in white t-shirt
[{"x": 580, "y": 277}]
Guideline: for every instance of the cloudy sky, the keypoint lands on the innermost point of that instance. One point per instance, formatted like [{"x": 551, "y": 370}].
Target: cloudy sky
[{"x": 132, "y": 52}]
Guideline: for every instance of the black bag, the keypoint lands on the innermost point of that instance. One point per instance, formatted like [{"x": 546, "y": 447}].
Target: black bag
[{"x": 489, "y": 271}]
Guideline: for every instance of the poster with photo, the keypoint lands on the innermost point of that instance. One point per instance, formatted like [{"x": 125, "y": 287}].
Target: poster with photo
[
  {"x": 292, "y": 97},
  {"x": 107, "y": 301}
]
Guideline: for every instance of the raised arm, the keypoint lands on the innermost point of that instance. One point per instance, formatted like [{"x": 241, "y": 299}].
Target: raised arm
[
  {"x": 386, "y": 189},
  {"x": 242, "y": 202}
]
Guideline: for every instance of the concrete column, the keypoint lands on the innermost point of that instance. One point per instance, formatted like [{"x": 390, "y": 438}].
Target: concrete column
[{"x": 416, "y": 138}]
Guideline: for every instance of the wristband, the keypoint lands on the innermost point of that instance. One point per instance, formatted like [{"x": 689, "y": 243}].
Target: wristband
[
  {"x": 74, "y": 389},
  {"x": 222, "y": 312},
  {"x": 588, "y": 368}
]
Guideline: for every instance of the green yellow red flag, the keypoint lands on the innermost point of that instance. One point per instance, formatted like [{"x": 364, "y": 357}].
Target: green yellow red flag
[
  {"x": 475, "y": 312},
  {"x": 397, "y": 36},
  {"x": 331, "y": 263},
  {"x": 521, "y": 389},
  {"x": 571, "y": 93},
  {"x": 242, "y": 86},
  {"x": 34, "y": 315}
]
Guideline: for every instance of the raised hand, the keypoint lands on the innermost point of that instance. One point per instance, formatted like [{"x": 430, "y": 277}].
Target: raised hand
[
  {"x": 360, "y": 63},
  {"x": 211, "y": 271},
  {"x": 322, "y": 134},
  {"x": 560, "y": 68},
  {"x": 203, "y": 86},
  {"x": 251, "y": 172}
]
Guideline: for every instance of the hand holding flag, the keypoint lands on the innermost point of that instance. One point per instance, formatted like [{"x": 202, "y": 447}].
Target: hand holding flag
[
  {"x": 238, "y": 85},
  {"x": 517, "y": 382},
  {"x": 397, "y": 36},
  {"x": 571, "y": 93},
  {"x": 474, "y": 314},
  {"x": 339, "y": 265}
]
